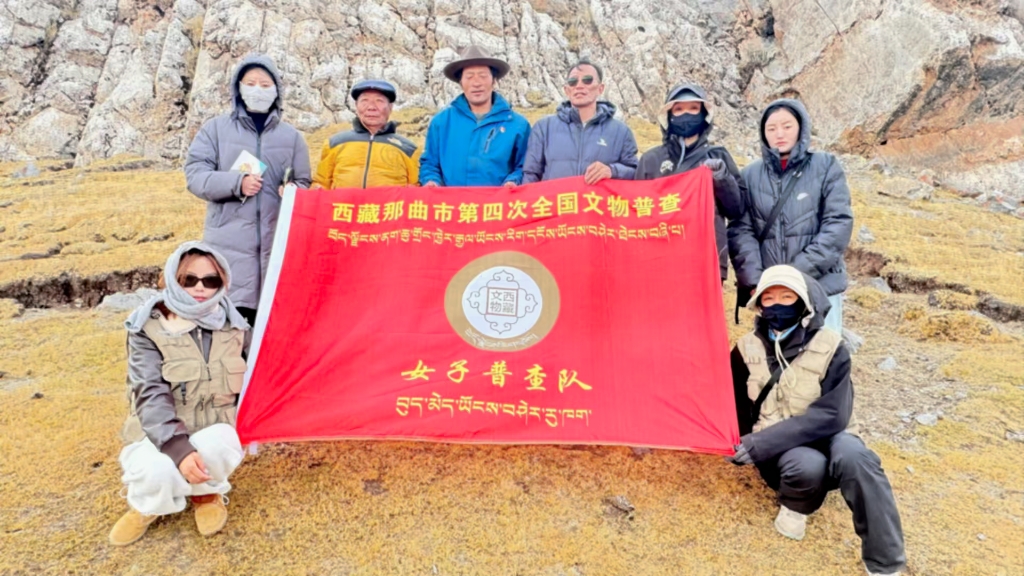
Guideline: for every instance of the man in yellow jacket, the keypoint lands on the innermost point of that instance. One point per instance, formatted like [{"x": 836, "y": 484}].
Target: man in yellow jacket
[{"x": 371, "y": 154}]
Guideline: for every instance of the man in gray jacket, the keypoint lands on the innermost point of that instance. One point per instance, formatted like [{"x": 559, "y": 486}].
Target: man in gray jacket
[
  {"x": 583, "y": 138},
  {"x": 242, "y": 203},
  {"x": 798, "y": 212}
]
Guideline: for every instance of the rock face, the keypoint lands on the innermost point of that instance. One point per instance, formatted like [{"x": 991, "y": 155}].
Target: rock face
[{"x": 907, "y": 80}]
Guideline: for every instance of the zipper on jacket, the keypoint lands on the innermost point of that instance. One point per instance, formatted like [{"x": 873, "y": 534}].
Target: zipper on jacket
[
  {"x": 682, "y": 154},
  {"x": 487, "y": 142},
  {"x": 259, "y": 227},
  {"x": 779, "y": 228},
  {"x": 366, "y": 169},
  {"x": 579, "y": 148}
]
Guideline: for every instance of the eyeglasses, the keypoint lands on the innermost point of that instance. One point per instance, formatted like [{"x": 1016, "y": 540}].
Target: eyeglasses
[
  {"x": 213, "y": 282},
  {"x": 587, "y": 80}
]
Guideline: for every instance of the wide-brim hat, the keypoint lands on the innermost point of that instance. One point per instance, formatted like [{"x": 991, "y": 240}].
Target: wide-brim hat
[{"x": 475, "y": 56}]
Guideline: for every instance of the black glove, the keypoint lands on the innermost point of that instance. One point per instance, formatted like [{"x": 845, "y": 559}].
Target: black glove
[
  {"x": 741, "y": 457},
  {"x": 717, "y": 166}
]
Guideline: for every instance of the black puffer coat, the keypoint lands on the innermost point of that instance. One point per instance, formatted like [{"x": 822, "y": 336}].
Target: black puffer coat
[
  {"x": 814, "y": 227},
  {"x": 672, "y": 157}
]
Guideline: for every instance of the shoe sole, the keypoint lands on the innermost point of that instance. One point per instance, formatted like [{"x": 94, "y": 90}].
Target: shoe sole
[
  {"x": 223, "y": 523},
  {"x": 130, "y": 542},
  {"x": 788, "y": 534}
]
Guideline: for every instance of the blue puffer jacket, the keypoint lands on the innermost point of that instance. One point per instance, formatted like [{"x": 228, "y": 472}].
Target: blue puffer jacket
[
  {"x": 561, "y": 146},
  {"x": 461, "y": 151}
]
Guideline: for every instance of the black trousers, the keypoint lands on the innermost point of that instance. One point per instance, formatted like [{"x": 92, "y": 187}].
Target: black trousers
[
  {"x": 249, "y": 314},
  {"x": 804, "y": 475}
]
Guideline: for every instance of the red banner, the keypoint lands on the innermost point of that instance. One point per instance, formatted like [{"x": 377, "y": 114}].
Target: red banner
[{"x": 555, "y": 313}]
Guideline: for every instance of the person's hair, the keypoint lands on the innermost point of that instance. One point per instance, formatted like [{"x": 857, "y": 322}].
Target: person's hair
[
  {"x": 186, "y": 259},
  {"x": 586, "y": 62},
  {"x": 494, "y": 74},
  {"x": 250, "y": 66},
  {"x": 775, "y": 108}
]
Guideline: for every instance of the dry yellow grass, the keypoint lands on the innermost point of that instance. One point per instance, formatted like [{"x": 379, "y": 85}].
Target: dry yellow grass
[
  {"x": 403, "y": 508},
  {"x": 98, "y": 221},
  {"x": 866, "y": 297},
  {"x": 9, "y": 308},
  {"x": 951, "y": 327},
  {"x": 945, "y": 239},
  {"x": 949, "y": 300}
]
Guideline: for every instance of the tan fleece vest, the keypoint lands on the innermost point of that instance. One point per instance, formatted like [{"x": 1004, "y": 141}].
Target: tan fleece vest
[
  {"x": 205, "y": 393},
  {"x": 798, "y": 386}
]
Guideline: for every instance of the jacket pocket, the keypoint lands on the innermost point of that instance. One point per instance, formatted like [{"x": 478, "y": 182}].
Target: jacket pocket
[
  {"x": 490, "y": 138},
  {"x": 226, "y": 212},
  {"x": 234, "y": 372},
  {"x": 182, "y": 370},
  {"x": 224, "y": 408},
  {"x": 213, "y": 214}
]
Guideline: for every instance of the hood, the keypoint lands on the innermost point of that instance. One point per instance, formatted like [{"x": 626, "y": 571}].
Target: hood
[
  {"x": 498, "y": 105},
  {"x": 674, "y": 143},
  {"x": 267, "y": 64},
  {"x": 808, "y": 289},
  {"x": 568, "y": 114},
  {"x": 803, "y": 145},
  {"x": 141, "y": 314},
  {"x": 672, "y": 97}
]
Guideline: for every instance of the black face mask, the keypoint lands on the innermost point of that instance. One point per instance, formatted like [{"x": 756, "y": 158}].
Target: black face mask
[
  {"x": 781, "y": 317},
  {"x": 687, "y": 125}
]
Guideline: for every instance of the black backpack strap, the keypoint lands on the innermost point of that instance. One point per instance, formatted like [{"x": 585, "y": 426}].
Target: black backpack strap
[
  {"x": 755, "y": 411},
  {"x": 777, "y": 209}
]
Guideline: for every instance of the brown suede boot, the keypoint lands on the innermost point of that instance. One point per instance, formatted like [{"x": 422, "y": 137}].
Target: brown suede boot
[
  {"x": 211, "y": 513},
  {"x": 130, "y": 528}
]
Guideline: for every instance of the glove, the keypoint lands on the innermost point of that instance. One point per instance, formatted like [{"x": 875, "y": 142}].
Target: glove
[
  {"x": 741, "y": 457},
  {"x": 717, "y": 166}
]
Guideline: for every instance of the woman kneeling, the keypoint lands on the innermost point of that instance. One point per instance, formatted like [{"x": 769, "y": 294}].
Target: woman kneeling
[{"x": 185, "y": 371}]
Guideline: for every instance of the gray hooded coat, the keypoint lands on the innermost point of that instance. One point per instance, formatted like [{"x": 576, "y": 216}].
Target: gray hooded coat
[
  {"x": 814, "y": 227},
  {"x": 243, "y": 231},
  {"x": 561, "y": 146}
]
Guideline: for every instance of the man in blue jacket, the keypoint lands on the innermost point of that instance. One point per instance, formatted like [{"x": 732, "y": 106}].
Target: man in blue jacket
[
  {"x": 478, "y": 140},
  {"x": 583, "y": 138}
]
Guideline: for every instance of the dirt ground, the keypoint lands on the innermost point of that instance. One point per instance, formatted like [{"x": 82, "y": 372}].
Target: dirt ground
[{"x": 947, "y": 419}]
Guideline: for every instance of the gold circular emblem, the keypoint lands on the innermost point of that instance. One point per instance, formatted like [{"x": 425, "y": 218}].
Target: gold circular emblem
[{"x": 502, "y": 302}]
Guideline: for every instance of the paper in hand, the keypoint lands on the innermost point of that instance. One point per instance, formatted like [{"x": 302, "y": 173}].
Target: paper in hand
[{"x": 248, "y": 164}]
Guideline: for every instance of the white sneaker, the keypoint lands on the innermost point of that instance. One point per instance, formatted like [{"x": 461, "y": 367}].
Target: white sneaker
[
  {"x": 870, "y": 573},
  {"x": 791, "y": 524}
]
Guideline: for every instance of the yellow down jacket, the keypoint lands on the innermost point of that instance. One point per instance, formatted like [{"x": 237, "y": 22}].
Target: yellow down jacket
[{"x": 358, "y": 159}]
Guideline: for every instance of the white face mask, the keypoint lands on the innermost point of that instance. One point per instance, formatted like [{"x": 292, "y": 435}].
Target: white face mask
[{"x": 258, "y": 99}]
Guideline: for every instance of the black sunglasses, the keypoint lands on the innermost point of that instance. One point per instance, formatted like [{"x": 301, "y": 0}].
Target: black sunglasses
[
  {"x": 587, "y": 80},
  {"x": 213, "y": 282}
]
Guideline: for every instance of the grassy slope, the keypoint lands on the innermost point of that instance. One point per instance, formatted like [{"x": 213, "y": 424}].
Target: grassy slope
[{"x": 387, "y": 508}]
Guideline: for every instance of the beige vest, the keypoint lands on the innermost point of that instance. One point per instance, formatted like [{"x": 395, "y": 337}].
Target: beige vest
[
  {"x": 205, "y": 393},
  {"x": 798, "y": 386}
]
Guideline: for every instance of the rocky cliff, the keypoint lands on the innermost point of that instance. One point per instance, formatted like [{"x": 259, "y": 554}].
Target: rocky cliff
[{"x": 926, "y": 83}]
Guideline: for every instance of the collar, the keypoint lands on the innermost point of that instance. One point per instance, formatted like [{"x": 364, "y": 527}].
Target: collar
[
  {"x": 177, "y": 325},
  {"x": 388, "y": 128}
]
